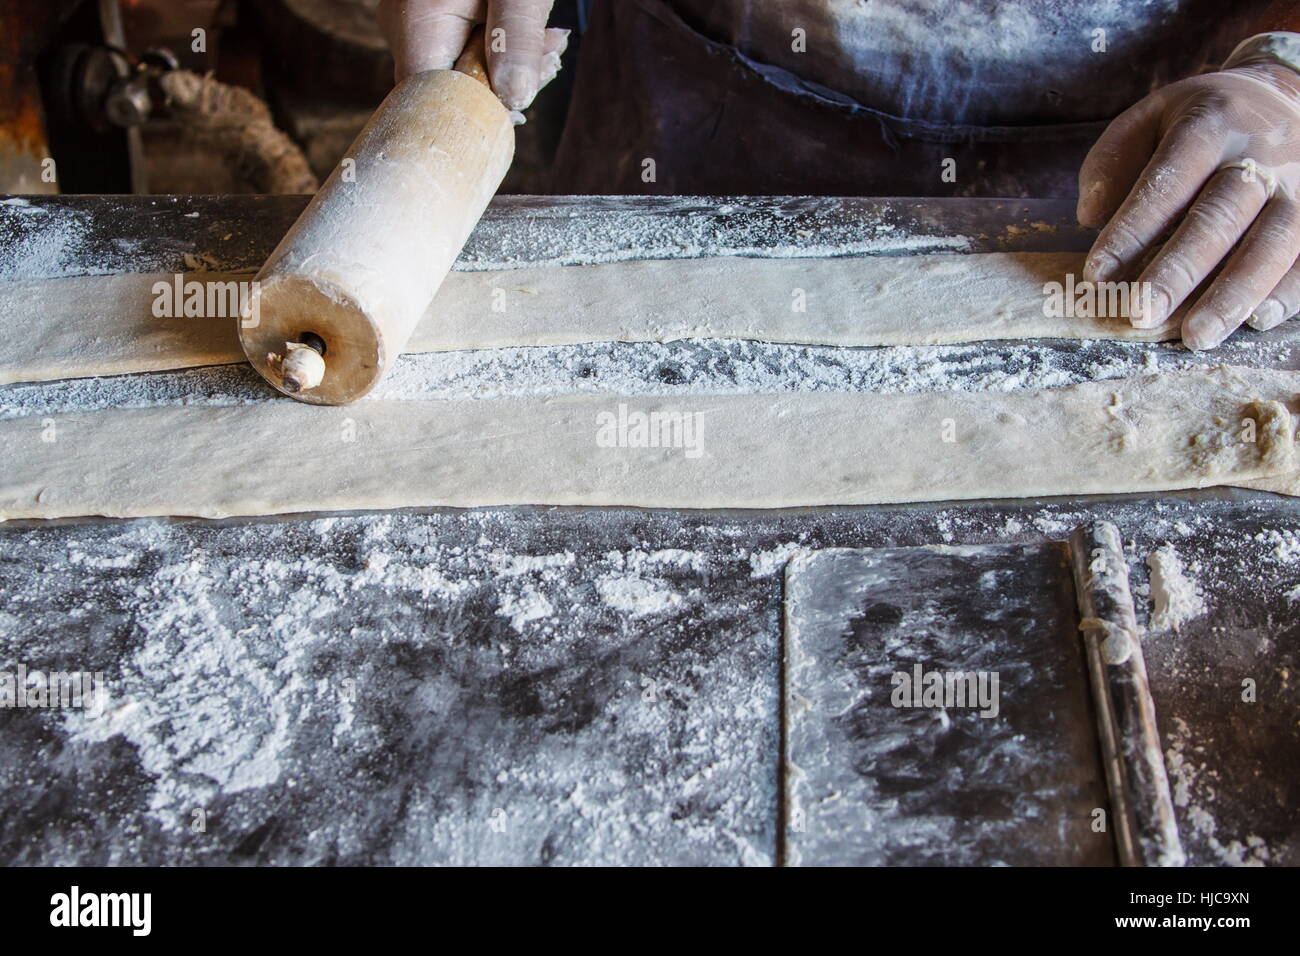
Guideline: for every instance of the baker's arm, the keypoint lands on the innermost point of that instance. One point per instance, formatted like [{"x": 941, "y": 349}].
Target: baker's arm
[
  {"x": 523, "y": 55},
  {"x": 1215, "y": 159}
]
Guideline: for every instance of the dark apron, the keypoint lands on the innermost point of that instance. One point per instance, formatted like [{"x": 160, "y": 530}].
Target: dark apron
[{"x": 716, "y": 122}]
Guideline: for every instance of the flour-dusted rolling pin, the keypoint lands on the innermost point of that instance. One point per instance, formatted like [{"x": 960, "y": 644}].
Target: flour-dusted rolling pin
[{"x": 342, "y": 292}]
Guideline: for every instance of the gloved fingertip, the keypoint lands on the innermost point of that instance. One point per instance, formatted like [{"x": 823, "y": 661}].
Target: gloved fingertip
[
  {"x": 1203, "y": 331},
  {"x": 516, "y": 84},
  {"x": 1269, "y": 314},
  {"x": 1100, "y": 266},
  {"x": 1151, "y": 309}
]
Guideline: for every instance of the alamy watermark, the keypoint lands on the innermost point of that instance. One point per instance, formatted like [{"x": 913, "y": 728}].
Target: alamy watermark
[
  {"x": 660, "y": 429},
  {"x": 133, "y": 911},
  {"x": 209, "y": 299},
  {"x": 21, "y": 688},
  {"x": 1095, "y": 300},
  {"x": 949, "y": 690}
]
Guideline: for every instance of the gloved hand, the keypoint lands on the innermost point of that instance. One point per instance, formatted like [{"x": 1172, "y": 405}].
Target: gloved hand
[
  {"x": 1218, "y": 157},
  {"x": 430, "y": 35}
]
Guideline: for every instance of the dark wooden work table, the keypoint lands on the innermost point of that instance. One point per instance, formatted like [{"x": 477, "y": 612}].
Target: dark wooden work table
[{"x": 566, "y": 685}]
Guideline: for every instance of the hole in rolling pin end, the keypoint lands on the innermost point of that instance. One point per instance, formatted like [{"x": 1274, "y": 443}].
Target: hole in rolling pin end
[{"x": 313, "y": 341}]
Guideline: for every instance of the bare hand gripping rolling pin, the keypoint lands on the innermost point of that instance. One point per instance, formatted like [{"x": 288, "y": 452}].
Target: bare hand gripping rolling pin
[{"x": 343, "y": 291}]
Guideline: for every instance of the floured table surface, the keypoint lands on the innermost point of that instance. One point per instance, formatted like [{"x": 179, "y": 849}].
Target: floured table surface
[{"x": 560, "y": 685}]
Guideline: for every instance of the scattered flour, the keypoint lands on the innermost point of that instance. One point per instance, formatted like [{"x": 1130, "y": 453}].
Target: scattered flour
[
  {"x": 637, "y": 596},
  {"x": 694, "y": 560},
  {"x": 241, "y": 645},
  {"x": 1177, "y": 597},
  {"x": 1194, "y": 792},
  {"x": 56, "y": 249},
  {"x": 748, "y": 228},
  {"x": 196, "y": 742},
  {"x": 764, "y": 564},
  {"x": 528, "y": 605},
  {"x": 1285, "y": 544},
  {"x": 76, "y": 556},
  {"x": 516, "y": 565}
]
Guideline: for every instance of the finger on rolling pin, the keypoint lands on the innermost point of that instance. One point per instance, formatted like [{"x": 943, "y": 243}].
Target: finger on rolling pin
[{"x": 360, "y": 267}]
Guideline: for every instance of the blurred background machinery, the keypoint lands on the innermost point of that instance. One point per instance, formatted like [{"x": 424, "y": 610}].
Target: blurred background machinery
[{"x": 209, "y": 96}]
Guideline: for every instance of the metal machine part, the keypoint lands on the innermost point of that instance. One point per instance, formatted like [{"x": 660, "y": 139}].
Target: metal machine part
[
  {"x": 131, "y": 100},
  {"x": 95, "y": 97},
  {"x": 94, "y": 86},
  {"x": 104, "y": 86}
]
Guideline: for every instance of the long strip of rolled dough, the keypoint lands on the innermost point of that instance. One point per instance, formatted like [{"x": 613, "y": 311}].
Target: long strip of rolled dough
[
  {"x": 1158, "y": 432},
  {"x": 104, "y": 325}
]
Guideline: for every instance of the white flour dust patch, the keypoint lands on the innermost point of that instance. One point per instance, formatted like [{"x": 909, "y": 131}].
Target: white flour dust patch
[
  {"x": 1195, "y": 792},
  {"x": 1176, "y": 597},
  {"x": 524, "y": 607},
  {"x": 636, "y": 596}
]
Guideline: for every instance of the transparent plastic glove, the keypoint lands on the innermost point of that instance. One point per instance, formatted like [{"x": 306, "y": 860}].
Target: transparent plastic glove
[
  {"x": 430, "y": 34},
  {"x": 1216, "y": 159}
]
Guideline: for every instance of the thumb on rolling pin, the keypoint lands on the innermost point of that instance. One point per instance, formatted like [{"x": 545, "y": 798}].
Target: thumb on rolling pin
[{"x": 427, "y": 34}]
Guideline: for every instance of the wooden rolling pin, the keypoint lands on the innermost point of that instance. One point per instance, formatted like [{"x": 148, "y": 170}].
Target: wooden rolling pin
[{"x": 343, "y": 291}]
